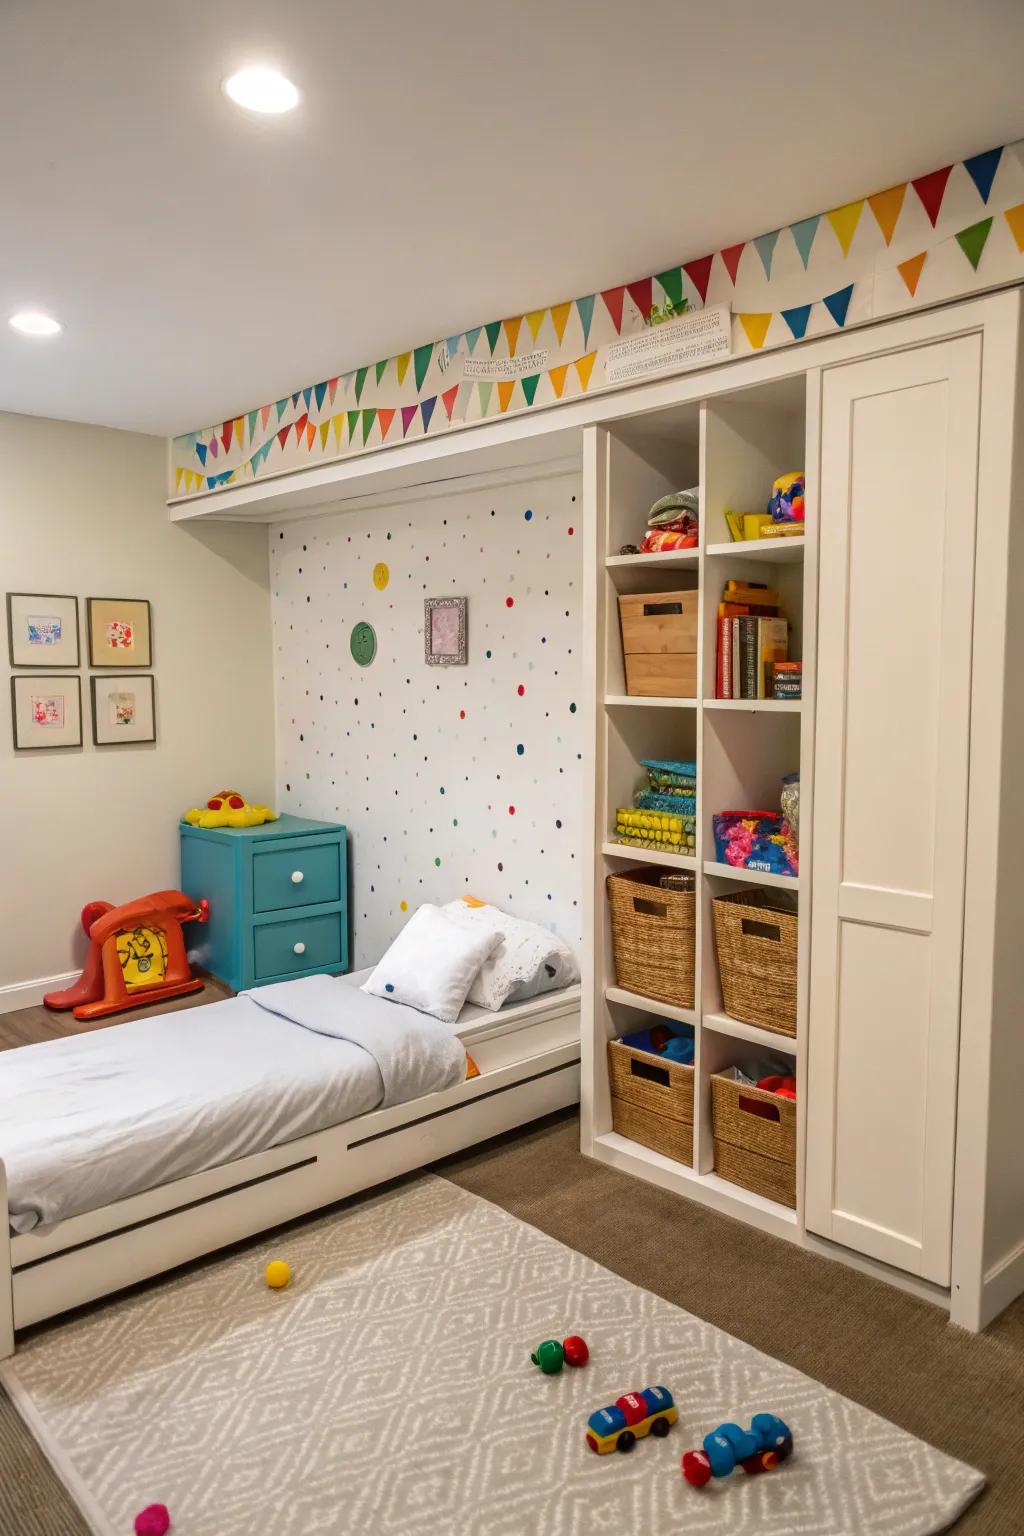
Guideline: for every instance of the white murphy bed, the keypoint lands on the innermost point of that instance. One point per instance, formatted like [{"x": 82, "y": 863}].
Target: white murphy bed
[{"x": 906, "y": 604}]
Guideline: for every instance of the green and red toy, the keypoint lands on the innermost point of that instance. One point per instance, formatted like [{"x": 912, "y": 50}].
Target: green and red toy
[{"x": 551, "y": 1356}]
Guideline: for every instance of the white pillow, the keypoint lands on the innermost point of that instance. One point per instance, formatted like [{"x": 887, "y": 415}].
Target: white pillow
[
  {"x": 432, "y": 964},
  {"x": 527, "y": 961}
]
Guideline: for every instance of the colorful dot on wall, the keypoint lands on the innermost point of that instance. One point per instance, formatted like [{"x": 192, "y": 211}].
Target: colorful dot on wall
[
  {"x": 381, "y": 575},
  {"x": 462, "y": 712},
  {"x": 571, "y": 532},
  {"x": 437, "y": 863},
  {"x": 572, "y": 709},
  {"x": 509, "y": 602},
  {"x": 520, "y": 749},
  {"x": 403, "y": 906},
  {"x": 511, "y": 810},
  {"x": 488, "y": 655},
  {"x": 520, "y": 690},
  {"x": 528, "y": 515},
  {"x": 558, "y": 823}
]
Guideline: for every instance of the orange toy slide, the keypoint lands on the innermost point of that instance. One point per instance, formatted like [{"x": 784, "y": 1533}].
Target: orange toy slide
[{"x": 136, "y": 956}]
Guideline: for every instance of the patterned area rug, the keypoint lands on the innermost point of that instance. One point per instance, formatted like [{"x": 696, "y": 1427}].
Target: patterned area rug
[{"x": 390, "y": 1389}]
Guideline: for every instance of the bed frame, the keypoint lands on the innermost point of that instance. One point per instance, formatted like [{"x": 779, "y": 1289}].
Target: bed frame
[{"x": 529, "y": 1061}]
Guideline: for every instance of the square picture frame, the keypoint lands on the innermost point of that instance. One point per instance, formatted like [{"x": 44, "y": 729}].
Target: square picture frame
[
  {"x": 123, "y": 709},
  {"x": 46, "y": 711},
  {"x": 120, "y": 631},
  {"x": 446, "y": 631},
  {"x": 42, "y": 630}
]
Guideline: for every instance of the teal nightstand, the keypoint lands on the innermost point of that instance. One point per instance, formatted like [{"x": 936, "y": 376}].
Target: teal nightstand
[{"x": 278, "y": 899}]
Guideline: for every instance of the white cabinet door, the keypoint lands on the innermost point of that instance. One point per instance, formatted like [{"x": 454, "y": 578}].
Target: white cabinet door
[{"x": 899, "y": 446}]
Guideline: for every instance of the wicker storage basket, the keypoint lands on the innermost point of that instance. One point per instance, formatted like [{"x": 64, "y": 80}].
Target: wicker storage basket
[
  {"x": 652, "y": 937},
  {"x": 755, "y": 937},
  {"x": 755, "y": 1138},
  {"x": 652, "y": 1100}
]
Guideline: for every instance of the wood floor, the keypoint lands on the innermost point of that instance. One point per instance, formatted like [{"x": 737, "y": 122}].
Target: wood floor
[{"x": 27, "y": 1026}]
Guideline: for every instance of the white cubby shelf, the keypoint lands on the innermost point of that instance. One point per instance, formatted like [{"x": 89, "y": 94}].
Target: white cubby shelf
[{"x": 735, "y": 445}]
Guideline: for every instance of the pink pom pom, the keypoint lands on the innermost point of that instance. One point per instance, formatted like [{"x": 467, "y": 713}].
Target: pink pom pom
[{"x": 153, "y": 1520}]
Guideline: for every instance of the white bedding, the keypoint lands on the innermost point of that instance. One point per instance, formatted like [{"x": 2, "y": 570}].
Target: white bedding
[{"x": 93, "y": 1118}]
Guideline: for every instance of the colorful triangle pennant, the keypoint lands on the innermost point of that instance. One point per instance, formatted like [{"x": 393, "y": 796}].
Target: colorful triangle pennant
[
  {"x": 931, "y": 189},
  {"x": 584, "y": 368},
  {"x": 613, "y": 301},
  {"x": 844, "y": 221},
  {"x": 585, "y": 310},
  {"x": 764, "y": 245},
  {"x": 380, "y": 370},
  {"x": 427, "y": 410},
  {"x": 408, "y": 413},
  {"x": 506, "y": 389},
  {"x": 352, "y": 417},
  {"x": 323, "y": 429},
  {"x": 337, "y": 426},
  {"x": 1013, "y": 216},
  {"x": 225, "y": 436},
  {"x": 838, "y": 303},
  {"x": 422, "y": 357},
  {"x": 385, "y": 416},
  {"x": 559, "y": 317},
  {"x": 797, "y": 320},
  {"x": 402, "y": 362},
  {"x": 360, "y": 382},
  {"x": 557, "y": 377},
  {"x": 982, "y": 170},
  {"x": 332, "y": 389},
  {"x": 972, "y": 240},
  {"x": 755, "y": 327},
  {"x": 369, "y": 417},
  {"x": 803, "y": 232},
  {"x": 485, "y": 397},
  {"x": 264, "y": 416},
  {"x": 731, "y": 259},
  {"x": 534, "y": 321},
  {"x": 472, "y": 337},
  {"x": 642, "y": 294},
  {"x": 448, "y": 400},
  {"x": 512, "y": 329},
  {"x": 530, "y": 387},
  {"x": 699, "y": 273},
  {"x": 307, "y": 395},
  {"x": 672, "y": 285},
  {"x": 493, "y": 331},
  {"x": 253, "y": 418},
  {"x": 282, "y": 406},
  {"x": 887, "y": 207},
  {"x": 910, "y": 271},
  {"x": 201, "y": 452}
]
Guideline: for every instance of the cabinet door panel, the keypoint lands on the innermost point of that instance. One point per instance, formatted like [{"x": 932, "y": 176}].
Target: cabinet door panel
[{"x": 896, "y": 540}]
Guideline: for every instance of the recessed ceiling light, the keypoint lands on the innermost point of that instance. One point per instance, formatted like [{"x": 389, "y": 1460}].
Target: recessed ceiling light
[
  {"x": 262, "y": 90},
  {"x": 31, "y": 323}
]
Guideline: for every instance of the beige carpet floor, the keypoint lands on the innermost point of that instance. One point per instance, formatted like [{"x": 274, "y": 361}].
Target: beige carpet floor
[{"x": 858, "y": 1336}]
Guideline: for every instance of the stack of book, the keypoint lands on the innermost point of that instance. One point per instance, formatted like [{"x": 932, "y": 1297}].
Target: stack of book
[{"x": 753, "y": 636}]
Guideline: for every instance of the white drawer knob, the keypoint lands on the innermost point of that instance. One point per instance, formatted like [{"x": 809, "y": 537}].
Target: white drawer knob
[
  {"x": 297, "y": 877},
  {"x": 299, "y": 949}
]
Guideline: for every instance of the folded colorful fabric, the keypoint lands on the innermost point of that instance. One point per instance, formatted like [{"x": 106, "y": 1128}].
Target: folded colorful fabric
[
  {"x": 670, "y": 765},
  {"x": 654, "y": 829},
  {"x": 674, "y": 804}
]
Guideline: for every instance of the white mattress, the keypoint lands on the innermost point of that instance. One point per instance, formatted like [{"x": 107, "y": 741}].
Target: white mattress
[{"x": 93, "y": 1118}]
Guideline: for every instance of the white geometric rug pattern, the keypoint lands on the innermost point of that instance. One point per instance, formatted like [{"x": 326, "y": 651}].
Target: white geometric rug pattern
[{"x": 390, "y": 1390}]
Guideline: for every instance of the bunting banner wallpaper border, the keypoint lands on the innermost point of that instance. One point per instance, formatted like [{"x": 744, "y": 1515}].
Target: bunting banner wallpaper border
[{"x": 952, "y": 232}]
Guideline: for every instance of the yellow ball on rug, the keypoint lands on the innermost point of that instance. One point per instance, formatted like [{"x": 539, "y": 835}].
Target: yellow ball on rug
[{"x": 278, "y": 1274}]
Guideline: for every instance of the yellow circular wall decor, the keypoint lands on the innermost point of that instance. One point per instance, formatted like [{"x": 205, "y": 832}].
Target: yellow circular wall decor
[{"x": 381, "y": 575}]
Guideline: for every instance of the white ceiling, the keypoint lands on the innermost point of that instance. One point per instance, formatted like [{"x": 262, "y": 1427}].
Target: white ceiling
[{"x": 453, "y": 161}]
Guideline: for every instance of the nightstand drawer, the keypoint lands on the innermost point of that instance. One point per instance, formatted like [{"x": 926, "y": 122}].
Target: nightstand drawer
[
  {"x": 296, "y": 876},
  {"x": 300, "y": 944}
]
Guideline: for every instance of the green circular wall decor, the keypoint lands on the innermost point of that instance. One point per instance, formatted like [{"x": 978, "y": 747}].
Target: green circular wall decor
[{"x": 363, "y": 643}]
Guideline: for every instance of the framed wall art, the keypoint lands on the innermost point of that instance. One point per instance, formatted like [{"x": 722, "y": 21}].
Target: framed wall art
[
  {"x": 120, "y": 632},
  {"x": 46, "y": 712},
  {"x": 445, "y": 631},
  {"x": 122, "y": 710},
  {"x": 42, "y": 630}
]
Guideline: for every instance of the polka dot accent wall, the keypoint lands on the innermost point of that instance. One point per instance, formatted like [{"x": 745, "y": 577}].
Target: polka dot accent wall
[{"x": 451, "y": 780}]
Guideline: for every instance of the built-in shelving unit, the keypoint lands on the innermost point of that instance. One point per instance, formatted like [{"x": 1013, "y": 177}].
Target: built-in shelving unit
[{"x": 733, "y": 446}]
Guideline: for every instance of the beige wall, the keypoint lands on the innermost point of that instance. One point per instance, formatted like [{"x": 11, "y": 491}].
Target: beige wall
[{"x": 81, "y": 511}]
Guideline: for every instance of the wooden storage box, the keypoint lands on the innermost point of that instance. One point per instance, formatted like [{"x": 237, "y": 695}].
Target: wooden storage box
[
  {"x": 652, "y": 1100},
  {"x": 755, "y": 940},
  {"x": 659, "y": 643},
  {"x": 652, "y": 936},
  {"x": 755, "y": 1138}
]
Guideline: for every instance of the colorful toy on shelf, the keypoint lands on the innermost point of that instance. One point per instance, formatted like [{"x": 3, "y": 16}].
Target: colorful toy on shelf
[
  {"x": 136, "y": 955},
  {"x": 227, "y": 808},
  {"x": 672, "y": 523},
  {"x": 673, "y": 1041},
  {"x": 758, "y": 840},
  {"x": 630, "y": 1418},
  {"x": 760, "y": 1448},
  {"x": 782, "y": 1084},
  {"x": 786, "y": 503},
  {"x": 551, "y": 1355}
]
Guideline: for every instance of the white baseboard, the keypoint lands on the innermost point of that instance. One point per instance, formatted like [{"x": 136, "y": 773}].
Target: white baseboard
[
  {"x": 1002, "y": 1284},
  {"x": 29, "y": 994}
]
